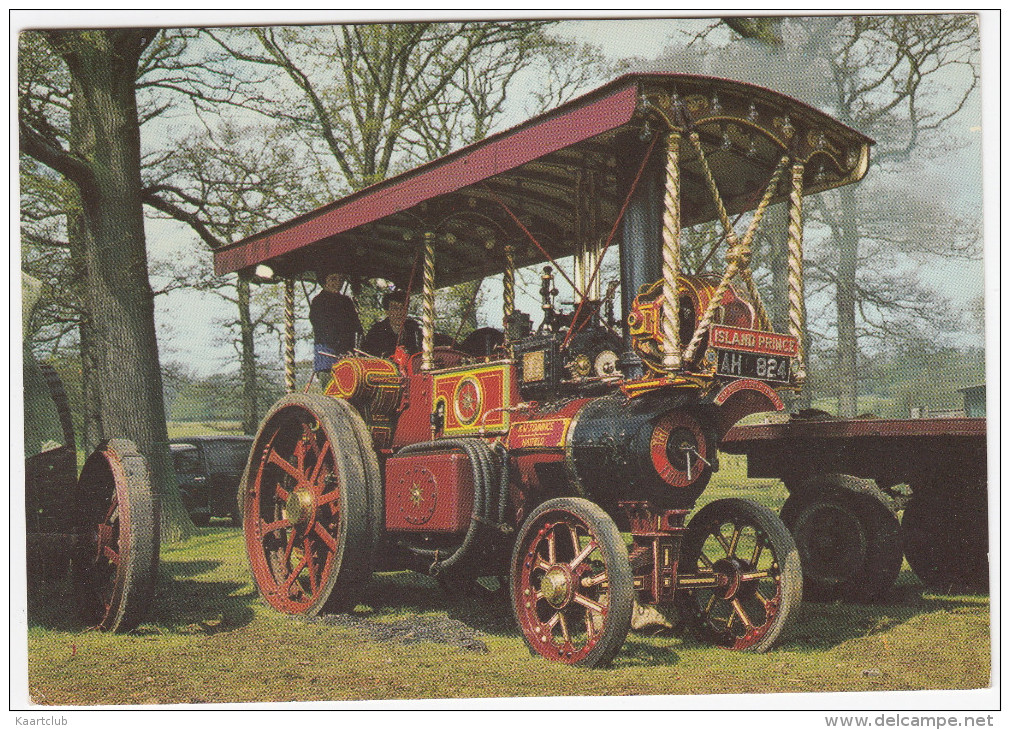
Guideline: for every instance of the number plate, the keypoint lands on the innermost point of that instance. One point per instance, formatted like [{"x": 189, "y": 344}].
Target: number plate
[{"x": 752, "y": 365}]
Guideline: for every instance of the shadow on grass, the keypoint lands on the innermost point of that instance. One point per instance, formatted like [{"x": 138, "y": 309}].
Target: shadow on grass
[
  {"x": 819, "y": 626},
  {"x": 812, "y": 627}
]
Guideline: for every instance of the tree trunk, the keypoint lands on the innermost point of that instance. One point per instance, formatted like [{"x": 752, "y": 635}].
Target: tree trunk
[
  {"x": 250, "y": 405},
  {"x": 90, "y": 397},
  {"x": 106, "y": 132},
  {"x": 848, "y": 262}
]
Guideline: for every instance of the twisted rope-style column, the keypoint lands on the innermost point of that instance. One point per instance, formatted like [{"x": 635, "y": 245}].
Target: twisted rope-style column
[
  {"x": 289, "y": 335},
  {"x": 796, "y": 269},
  {"x": 508, "y": 287},
  {"x": 671, "y": 256},
  {"x": 428, "y": 311},
  {"x": 731, "y": 237},
  {"x": 738, "y": 260}
]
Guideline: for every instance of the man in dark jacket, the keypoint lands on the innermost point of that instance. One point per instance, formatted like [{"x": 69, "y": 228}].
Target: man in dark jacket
[
  {"x": 335, "y": 323},
  {"x": 395, "y": 329}
]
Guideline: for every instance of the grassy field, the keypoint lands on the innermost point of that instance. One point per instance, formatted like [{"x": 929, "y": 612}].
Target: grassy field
[{"x": 209, "y": 639}]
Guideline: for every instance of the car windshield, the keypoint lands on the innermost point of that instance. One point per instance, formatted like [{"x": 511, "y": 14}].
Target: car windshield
[{"x": 227, "y": 456}]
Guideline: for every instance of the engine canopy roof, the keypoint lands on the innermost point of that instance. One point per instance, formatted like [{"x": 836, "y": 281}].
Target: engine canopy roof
[{"x": 564, "y": 176}]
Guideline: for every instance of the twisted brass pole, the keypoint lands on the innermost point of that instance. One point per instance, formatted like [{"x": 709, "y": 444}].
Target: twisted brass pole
[
  {"x": 289, "y": 335},
  {"x": 428, "y": 311},
  {"x": 671, "y": 256},
  {"x": 508, "y": 287},
  {"x": 796, "y": 269}
]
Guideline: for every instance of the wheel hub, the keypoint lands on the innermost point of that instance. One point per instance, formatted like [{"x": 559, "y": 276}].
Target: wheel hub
[
  {"x": 730, "y": 571},
  {"x": 556, "y": 586},
  {"x": 298, "y": 507}
]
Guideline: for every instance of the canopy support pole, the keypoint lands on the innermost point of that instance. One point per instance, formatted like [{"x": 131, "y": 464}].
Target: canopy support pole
[
  {"x": 289, "y": 335},
  {"x": 671, "y": 256},
  {"x": 795, "y": 264},
  {"x": 428, "y": 311},
  {"x": 508, "y": 288}
]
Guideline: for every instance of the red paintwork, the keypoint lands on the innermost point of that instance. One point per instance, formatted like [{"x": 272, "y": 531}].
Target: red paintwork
[
  {"x": 609, "y": 107},
  {"x": 677, "y": 419},
  {"x": 586, "y": 117},
  {"x": 743, "y": 397},
  {"x": 915, "y": 427},
  {"x": 429, "y": 492}
]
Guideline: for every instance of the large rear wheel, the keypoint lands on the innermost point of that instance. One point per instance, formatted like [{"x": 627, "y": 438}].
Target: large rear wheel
[
  {"x": 740, "y": 575},
  {"x": 116, "y": 556},
  {"x": 310, "y": 505},
  {"x": 572, "y": 588}
]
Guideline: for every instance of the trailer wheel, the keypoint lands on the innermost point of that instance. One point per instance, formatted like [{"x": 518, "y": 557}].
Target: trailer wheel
[
  {"x": 946, "y": 540},
  {"x": 572, "y": 588},
  {"x": 750, "y": 563},
  {"x": 115, "y": 562},
  {"x": 309, "y": 505},
  {"x": 848, "y": 538}
]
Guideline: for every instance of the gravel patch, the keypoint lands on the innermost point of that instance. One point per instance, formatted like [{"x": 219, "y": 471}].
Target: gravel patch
[{"x": 436, "y": 629}]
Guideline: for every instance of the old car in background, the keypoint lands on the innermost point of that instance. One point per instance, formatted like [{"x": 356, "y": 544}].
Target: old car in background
[{"x": 208, "y": 470}]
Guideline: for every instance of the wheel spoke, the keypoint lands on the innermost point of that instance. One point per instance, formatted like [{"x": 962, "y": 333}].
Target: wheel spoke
[
  {"x": 552, "y": 623},
  {"x": 280, "y": 493},
  {"x": 736, "y": 539},
  {"x": 756, "y": 575},
  {"x": 112, "y": 513},
  {"x": 307, "y": 548},
  {"x": 290, "y": 546},
  {"x": 565, "y": 635},
  {"x": 595, "y": 580},
  {"x": 583, "y": 555},
  {"x": 739, "y": 611},
  {"x": 330, "y": 497},
  {"x": 709, "y": 606},
  {"x": 542, "y": 564},
  {"x": 317, "y": 467},
  {"x": 277, "y": 460},
  {"x": 706, "y": 562},
  {"x": 295, "y": 572},
  {"x": 721, "y": 539},
  {"x": 552, "y": 549},
  {"x": 268, "y": 527},
  {"x": 758, "y": 547},
  {"x": 588, "y": 603},
  {"x": 325, "y": 537}
]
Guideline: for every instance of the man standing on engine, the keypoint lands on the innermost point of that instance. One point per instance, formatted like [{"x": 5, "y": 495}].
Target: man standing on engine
[{"x": 335, "y": 323}]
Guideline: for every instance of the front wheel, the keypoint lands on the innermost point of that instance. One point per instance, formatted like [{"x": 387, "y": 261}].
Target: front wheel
[
  {"x": 739, "y": 575},
  {"x": 572, "y": 588}
]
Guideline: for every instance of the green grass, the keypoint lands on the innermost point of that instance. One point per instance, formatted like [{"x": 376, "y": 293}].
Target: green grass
[
  {"x": 209, "y": 638},
  {"x": 181, "y": 429}
]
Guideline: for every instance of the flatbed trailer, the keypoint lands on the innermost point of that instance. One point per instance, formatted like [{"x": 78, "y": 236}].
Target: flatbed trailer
[{"x": 849, "y": 481}]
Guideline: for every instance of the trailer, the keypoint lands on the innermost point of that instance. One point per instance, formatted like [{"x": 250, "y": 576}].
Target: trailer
[{"x": 850, "y": 480}]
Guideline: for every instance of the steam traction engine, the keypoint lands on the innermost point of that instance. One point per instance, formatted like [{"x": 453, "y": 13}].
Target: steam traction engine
[{"x": 568, "y": 457}]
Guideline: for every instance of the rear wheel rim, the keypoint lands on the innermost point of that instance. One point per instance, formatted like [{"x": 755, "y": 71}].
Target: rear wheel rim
[{"x": 742, "y": 605}]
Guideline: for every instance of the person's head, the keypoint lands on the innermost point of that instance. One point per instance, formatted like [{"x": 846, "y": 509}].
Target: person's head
[
  {"x": 395, "y": 304},
  {"x": 332, "y": 281}
]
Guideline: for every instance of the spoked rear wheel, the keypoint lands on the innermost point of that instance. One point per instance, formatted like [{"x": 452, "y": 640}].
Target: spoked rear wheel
[
  {"x": 572, "y": 590},
  {"x": 310, "y": 505},
  {"x": 739, "y": 575},
  {"x": 116, "y": 557}
]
